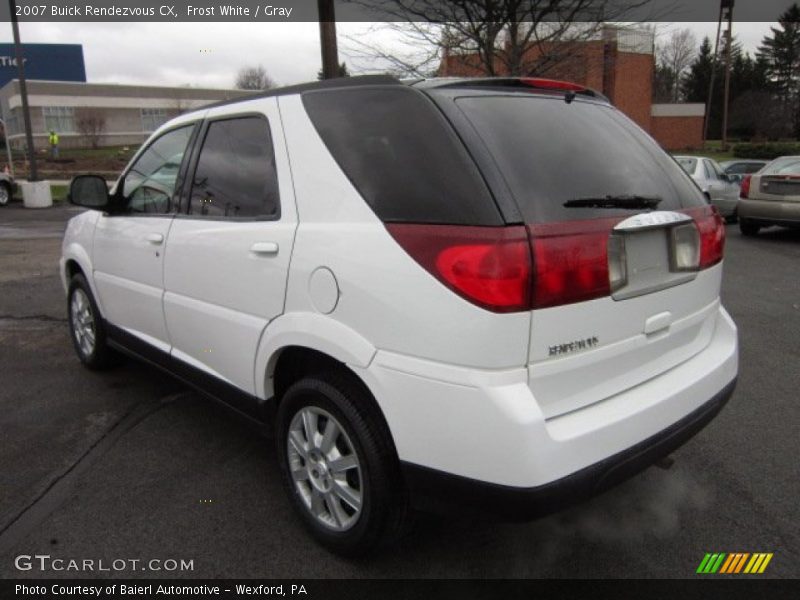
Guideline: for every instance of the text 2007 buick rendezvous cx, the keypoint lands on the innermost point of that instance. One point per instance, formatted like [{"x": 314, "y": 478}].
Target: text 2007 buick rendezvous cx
[{"x": 497, "y": 293}]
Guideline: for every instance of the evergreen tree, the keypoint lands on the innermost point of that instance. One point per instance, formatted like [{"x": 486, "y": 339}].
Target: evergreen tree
[
  {"x": 342, "y": 72},
  {"x": 780, "y": 53}
]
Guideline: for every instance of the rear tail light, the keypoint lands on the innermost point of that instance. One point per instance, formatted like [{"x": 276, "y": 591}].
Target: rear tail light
[
  {"x": 571, "y": 261},
  {"x": 685, "y": 247},
  {"x": 711, "y": 227},
  {"x": 489, "y": 266},
  {"x": 517, "y": 268},
  {"x": 617, "y": 263},
  {"x": 744, "y": 190}
]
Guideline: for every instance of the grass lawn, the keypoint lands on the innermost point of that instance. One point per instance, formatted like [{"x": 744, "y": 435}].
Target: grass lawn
[{"x": 59, "y": 192}]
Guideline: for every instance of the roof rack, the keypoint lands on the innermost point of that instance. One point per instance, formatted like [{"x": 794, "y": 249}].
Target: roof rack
[{"x": 325, "y": 84}]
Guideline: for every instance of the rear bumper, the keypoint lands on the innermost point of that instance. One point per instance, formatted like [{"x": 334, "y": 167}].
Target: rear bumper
[
  {"x": 488, "y": 427},
  {"x": 768, "y": 212},
  {"x": 439, "y": 491}
]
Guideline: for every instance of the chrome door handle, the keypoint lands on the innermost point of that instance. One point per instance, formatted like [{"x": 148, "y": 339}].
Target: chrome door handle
[
  {"x": 154, "y": 238},
  {"x": 264, "y": 248}
]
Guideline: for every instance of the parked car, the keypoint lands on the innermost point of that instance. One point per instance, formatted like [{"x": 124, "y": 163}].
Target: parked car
[
  {"x": 7, "y": 188},
  {"x": 737, "y": 169},
  {"x": 771, "y": 196},
  {"x": 487, "y": 294},
  {"x": 720, "y": 189}
]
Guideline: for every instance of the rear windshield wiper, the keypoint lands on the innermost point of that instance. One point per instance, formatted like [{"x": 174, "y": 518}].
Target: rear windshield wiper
[{"x": 621, "y": 201}]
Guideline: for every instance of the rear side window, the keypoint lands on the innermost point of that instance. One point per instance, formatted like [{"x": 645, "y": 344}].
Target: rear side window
[
  {"x": 551, "y": 153},
  {"x": 235, "y": 174},
  {"x": 402, "y": 156}
]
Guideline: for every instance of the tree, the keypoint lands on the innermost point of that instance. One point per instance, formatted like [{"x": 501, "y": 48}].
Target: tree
[
  {"x": 91, "y": 124},
  {"x": 675, "y": 56},
  {"x": 488, "y": 37},
  {"x": 254, "y": 78},
  {"x": 780, "y": 52},
  {"x": 342, "y": 72},
  {"x": 664, "y": 82}
]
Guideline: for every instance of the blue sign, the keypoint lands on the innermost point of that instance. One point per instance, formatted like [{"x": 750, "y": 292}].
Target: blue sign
[{"x": 51, "y": 62}]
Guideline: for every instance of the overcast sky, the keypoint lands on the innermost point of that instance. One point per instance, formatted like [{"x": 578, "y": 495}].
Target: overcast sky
[{"x": 210, "y": 54}]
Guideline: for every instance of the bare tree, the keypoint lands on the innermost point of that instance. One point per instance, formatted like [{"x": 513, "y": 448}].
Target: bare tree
[
  {"x": 486, "y": 37},
  {"x": 91, "y": 124},
  {"x": 254, "y": 78},
  {"x": 676, "y": 55}
]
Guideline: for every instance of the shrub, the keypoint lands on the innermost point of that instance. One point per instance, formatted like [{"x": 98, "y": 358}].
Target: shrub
[{"x": 766, "y": 151}]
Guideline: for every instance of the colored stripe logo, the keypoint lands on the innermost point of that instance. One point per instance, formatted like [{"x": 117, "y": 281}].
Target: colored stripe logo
[{"x": 734, "y": 562}]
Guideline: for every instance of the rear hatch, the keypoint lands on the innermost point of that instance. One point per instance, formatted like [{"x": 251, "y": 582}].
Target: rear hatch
[{"x": 623, "y": 244}]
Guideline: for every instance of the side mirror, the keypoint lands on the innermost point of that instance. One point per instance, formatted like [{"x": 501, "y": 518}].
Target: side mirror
[
  {"x": 89, "y": 191},
  {"x": 734, "y": 178}
]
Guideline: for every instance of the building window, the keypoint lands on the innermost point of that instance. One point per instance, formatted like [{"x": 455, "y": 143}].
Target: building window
[
  {"x": 12, "y": 122},
  {"x": 153, "y": 118},
  {"x": 60, "y": 119}
]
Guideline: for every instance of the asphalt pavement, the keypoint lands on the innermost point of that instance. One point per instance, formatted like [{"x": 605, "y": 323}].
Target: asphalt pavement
[{"x": 129, "y": 465}]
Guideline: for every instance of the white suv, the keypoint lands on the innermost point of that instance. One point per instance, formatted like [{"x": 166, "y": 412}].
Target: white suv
[{"x": 496, "y": 294}]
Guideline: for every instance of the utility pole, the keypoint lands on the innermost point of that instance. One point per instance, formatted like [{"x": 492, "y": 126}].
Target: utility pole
[
  {"x": 327, "y": 39},
  {"x": 727, "y": 4},
  {"x": 709, "y": 102},
  {"x": 23, "y": 92}
]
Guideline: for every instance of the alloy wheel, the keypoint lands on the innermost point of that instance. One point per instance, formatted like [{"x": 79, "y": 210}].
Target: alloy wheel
[
  {"x": 82, "y": 319},
  {"x": 325, "y": 468}
]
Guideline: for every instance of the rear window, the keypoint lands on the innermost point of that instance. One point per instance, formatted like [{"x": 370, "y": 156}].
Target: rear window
[
  {"x": 688, "y": 164},
  {"x": 402, "y": 156},
  {"x": 551, "y": 152},
  {"x": 788, "y": 165}
]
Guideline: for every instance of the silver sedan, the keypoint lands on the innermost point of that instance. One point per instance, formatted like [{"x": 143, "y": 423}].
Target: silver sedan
[
  {"x": 771, "y": 196},
  {"x": 720, "y": 189}
]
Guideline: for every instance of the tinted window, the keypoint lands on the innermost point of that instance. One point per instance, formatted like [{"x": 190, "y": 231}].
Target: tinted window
[
  {"x": 235, "y": 174},
  {"x": 551, "y": 152},
  {"x": 149, "y": 185},
  {"x": 402, "y": 156}
]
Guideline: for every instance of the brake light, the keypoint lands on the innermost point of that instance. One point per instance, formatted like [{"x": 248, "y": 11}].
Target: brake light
[
  {"x": 571, "y": 261},
  {"x": 552, "y": 84},
  {"x": 712, "y": 234},
  {"x": 744, "y": 191},
  {"x": 489, "y": 266}
]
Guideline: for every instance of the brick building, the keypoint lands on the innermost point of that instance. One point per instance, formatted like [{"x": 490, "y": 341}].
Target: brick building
[{"x": 620, "y": 63}]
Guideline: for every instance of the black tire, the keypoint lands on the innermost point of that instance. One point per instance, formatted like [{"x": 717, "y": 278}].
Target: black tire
[
  {"x": 384, "y": 499},
  {"x": 101, "y": 356},
  {"x": 5, "y": 193},
  {"x": 748, "y": 228}
]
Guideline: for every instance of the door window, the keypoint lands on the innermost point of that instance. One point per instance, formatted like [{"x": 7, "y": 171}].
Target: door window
[
  {"x": 235, "y": 174},
  {"x": 149, "y": 185},
  {"x": 717, "y": 171}
]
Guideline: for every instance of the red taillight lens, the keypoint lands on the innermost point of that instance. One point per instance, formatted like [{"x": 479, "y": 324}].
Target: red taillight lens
[
  {"x": 744, "y": 191},
  {"x": 489, "y": 266},
  {"x": 570, "y": 261},
  {"x": 712, "y": 234}
]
